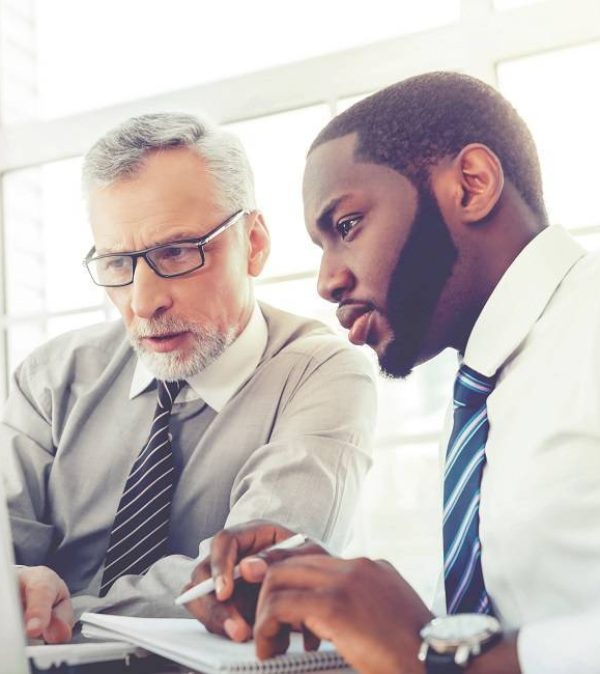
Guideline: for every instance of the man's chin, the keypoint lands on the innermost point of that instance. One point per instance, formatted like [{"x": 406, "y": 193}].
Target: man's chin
[
  {"x": 168, "y": 366},
  {"x": 396, "y": 361},
  {"x": 184, "y": 363}
]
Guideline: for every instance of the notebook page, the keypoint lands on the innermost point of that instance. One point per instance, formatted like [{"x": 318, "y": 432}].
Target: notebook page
[{"x": 187, "y": 642}]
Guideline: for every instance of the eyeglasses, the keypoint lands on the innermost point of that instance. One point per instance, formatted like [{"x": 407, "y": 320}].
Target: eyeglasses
[{"x": 168, "y": 260}]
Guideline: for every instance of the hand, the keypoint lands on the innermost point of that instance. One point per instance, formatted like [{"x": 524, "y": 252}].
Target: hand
[
  {"x": 230, "y": 610},
  {"x": 365, "y": 608},
  {"x": 46, "y": 603}
]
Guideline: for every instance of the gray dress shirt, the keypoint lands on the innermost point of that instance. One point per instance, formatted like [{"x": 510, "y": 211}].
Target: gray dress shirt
[{"x": 292, "y": 445}]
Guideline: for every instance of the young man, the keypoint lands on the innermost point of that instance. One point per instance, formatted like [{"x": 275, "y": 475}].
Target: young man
[
  {"x": 426, "y": 200},
  {"x": 127, "y": 444}
]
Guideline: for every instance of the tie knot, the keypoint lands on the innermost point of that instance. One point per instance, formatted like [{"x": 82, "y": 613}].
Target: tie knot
[
  {"x": 472, "y": 388},
  {"x": 168, "y": 391}
]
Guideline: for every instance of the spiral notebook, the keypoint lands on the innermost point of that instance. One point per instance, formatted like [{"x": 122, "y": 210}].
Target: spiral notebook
[{"x": 186, "y": 642}]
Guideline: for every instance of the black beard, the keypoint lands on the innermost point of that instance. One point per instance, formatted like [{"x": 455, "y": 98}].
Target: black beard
[{"x": 424, "y": 266}]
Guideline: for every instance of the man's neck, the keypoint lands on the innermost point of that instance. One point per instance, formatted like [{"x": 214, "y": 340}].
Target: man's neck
[{"x": 501, "y": 240}]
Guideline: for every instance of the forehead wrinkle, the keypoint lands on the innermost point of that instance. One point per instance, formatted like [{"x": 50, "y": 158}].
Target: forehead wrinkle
[{"x": 174, "y": 236}]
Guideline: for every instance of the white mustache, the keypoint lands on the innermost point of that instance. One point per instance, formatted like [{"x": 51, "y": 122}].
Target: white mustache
[{"x": 160, "y": 328}]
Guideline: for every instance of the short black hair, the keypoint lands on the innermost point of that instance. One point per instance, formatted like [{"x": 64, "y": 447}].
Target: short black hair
[{"x": 413, "y": 124}]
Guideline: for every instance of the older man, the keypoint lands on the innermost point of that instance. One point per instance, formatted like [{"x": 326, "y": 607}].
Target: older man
[
  {"x": 127, "y": 444},
  {"x": 426, "y": 200}
]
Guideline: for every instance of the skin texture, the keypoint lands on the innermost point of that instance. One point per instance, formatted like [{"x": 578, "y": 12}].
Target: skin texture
[
  {"x": 231, "y": 610},
  {"x": 339, "y": 600},
  {"x": 47, "y": 609},
  {"x": 362, "y": 217},
  {"x": 173, "y": 197}
]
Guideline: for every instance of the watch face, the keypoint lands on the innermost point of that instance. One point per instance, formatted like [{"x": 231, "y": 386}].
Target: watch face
[{"x": 456, "y": 629}]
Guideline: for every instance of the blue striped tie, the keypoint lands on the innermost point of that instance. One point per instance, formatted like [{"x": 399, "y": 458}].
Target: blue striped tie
[
  {"x": 141, "y": 527},
  {"x": 465, "y": 459}
]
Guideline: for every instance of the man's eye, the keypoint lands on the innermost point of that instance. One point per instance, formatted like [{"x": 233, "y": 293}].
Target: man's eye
[
  {"x": 176, "y": 253},
  {"x": 114, "y": 263},
  {"x": 346, "y": 225},
  {"x": 172, "y": 252}
]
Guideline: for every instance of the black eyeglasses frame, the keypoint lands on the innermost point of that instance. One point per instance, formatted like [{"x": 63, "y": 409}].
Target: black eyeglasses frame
[{"x": 134, "y": 255}]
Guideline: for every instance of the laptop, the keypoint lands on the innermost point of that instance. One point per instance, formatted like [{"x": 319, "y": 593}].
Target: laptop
[
  {"x": 74, "y": 658},
  {"x": 12, "y": 640}
]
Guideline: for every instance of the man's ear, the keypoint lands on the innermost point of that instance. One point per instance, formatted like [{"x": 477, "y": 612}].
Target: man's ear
[
  {"x": 259, "y": 243},
  {"x": 481, "y": 179}
]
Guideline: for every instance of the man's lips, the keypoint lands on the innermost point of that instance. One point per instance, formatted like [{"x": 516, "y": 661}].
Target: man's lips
[
  {"x": 348, "y": 313},
  {"x": 166, "y": 342},
  {"x": 358, "y": 319}
]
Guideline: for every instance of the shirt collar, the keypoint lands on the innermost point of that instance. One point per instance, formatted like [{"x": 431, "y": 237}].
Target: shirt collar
[
  {"x": 217, "y": 383},
  {"x": 519, "y": 299}
]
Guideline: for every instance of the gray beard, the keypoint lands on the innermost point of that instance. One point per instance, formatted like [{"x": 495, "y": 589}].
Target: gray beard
[{"x": 208, "y": 345}]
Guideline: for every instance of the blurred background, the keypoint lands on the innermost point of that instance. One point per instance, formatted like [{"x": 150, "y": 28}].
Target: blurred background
[{"x": 275, "y": 72}]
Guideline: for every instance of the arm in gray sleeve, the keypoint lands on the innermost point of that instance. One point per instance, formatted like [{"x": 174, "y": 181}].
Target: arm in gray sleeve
[
  {"x": 308, "y": 477},
  {"x": 151, "y": 595},
  {"x": 27, "y": 454},
  {"x": 561, "y": 645}
]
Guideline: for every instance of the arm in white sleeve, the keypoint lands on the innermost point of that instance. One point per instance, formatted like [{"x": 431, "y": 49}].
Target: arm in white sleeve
[{"x": 561, "y": 645}]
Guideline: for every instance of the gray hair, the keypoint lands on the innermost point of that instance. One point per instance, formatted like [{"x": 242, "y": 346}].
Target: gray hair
[{"x": 121, "y": 152}]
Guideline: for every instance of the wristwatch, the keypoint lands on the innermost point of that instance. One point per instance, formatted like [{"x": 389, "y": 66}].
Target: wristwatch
[{"x": 450, "y": 642}]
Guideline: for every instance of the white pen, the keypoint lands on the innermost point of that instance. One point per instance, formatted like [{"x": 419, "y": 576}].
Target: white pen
[{"x": 207, "y": 586}]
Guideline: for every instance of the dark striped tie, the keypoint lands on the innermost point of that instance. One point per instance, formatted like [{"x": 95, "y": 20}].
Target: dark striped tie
[
  {"x": 465, "y": 459},
  {"x": 140, "y": 531}
]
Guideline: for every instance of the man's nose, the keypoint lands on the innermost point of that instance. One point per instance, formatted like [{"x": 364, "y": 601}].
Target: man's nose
[
  {"x": 150, "y": 293},
  {"x": 335, "y": 280}
]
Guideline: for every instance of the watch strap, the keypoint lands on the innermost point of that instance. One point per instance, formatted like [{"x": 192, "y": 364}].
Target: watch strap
[
  {"x": 444, "y": 663},
  {"x": 441, "y": 663}
]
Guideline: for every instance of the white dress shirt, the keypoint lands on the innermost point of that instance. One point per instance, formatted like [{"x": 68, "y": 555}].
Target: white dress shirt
[{"x": 540, "y": 491}]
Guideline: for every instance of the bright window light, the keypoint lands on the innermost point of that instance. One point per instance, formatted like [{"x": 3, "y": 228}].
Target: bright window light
[
  {"x": 511, "y": 4},
  {"x": 277, "y": 146},
  {"x": 118, "y": 50},
  {"x": 557, "y": 96},
  {"x": 399, "y": 514},
  {"x": 46, "y": 237},
  {"x": 300, "y": 296}
]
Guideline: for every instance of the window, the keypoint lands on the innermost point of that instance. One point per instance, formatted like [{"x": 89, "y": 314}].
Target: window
[
  {"x": 46, "y": 236},
  {"x": 563, "y": 117},
  {"x": 155, "y": 47},
  {"x": 511, "y": 4},
  {"x": 276, "y": 146},
  {"x": 400, "y": 514}
]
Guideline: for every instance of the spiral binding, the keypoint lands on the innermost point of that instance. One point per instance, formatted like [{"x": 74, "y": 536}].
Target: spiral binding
[{"x": 312, "y": 661}]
